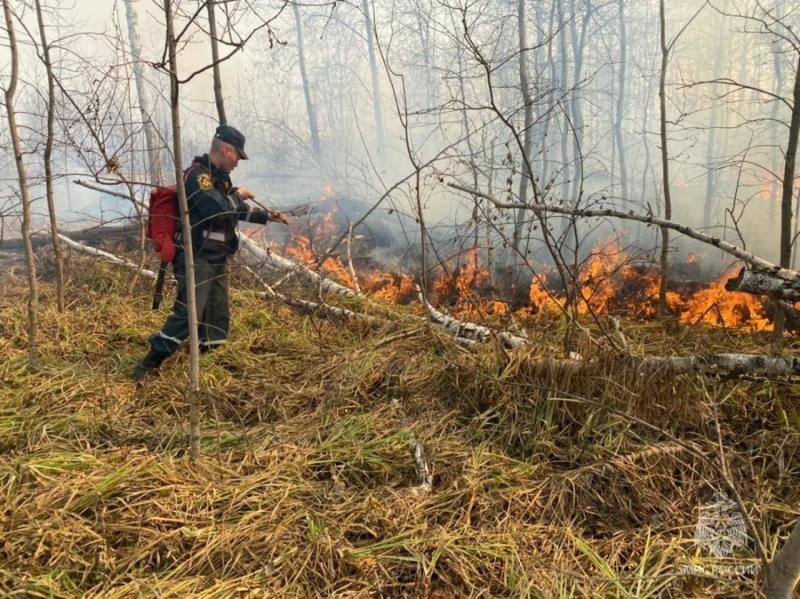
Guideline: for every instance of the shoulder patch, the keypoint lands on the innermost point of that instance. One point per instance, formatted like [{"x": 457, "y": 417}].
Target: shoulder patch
[{"x": 205, "y": 182}]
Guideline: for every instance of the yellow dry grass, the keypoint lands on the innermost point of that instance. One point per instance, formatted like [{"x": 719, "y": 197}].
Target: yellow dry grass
[{"x": 307, "y": 487}]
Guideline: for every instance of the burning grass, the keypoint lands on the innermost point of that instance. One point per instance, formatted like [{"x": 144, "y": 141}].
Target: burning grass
[
  {"x": 306, "y": 486},
  {"x": 610, "y": 280}
]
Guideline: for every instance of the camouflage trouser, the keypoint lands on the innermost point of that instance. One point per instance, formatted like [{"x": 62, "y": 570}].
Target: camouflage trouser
[{"x": 213, "y": 314}]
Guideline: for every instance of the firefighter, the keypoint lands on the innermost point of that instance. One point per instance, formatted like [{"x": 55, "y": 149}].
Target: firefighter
[{"x": 215, "y": 207}]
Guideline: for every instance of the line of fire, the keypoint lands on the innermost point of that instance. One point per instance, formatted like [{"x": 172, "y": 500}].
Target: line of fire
[{"x": 613, "y": 278}]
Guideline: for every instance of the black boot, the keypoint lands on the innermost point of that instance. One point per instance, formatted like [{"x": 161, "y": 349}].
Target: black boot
[{"x": 148, "y": 364}]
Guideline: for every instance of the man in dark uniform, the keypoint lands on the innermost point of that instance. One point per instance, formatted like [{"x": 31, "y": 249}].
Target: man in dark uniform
[{"x": 215, "y": 207}]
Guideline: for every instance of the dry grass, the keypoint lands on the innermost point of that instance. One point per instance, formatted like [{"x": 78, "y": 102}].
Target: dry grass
[{"x": 307, "y": 487}]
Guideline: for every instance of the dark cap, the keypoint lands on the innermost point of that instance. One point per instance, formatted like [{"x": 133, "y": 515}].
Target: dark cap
[{"x": 232, "y": 136}]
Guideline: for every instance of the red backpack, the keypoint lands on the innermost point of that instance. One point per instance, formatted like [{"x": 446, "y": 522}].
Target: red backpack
[
  {"x": 163, "y": 218},
  {"x": 162, "y": 221}
]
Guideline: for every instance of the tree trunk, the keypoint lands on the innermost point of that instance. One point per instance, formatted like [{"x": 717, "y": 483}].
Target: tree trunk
[
  {"x": 783, "y": 572},
  {"x": 153, "y": 146},
  {"x": 424, "y": 25},
  {"x": 212, "y": 32},
  {"x": 565, "y": 165},
  {"x": 468, "y": 330},
  {"x": 257, "y": 257},
  {"x": 662, "y": 97},
  {"x": 33, "y": 296},
  {"x": 749, "y": 258},
  {"x": 578, "y": 47},
  {"x": 729, "y": 364},
  {"x": 711, "y": 173},
  {"x": 524, "y": 181},
  {"x": 153, "y": 158},
  {"x": 377, "y": 106},
  {"x": 648, "y": 94},
  {"x": 764, "y": 283},
  {"x": 618, "y": 132},
  {"x": 193, "y": 391},
  {"x": 551, "y": 66},
  {"x": 476, "y": 210},
  {"x": 788, "y": 175},
  {"x": 313, "y": 127},
  {"x": 48, "y": 160},
  {"x": 787, "y": 194}
]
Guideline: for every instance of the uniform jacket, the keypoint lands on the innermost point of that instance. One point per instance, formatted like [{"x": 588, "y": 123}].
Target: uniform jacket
[{"x": 215, "y": 207}]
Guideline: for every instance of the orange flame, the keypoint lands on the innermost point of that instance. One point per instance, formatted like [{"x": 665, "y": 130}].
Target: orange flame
[
  {"x": 608, "y": 283},
  {"x": 389, "y": 287},
  {"x": 714, "y": 305}
]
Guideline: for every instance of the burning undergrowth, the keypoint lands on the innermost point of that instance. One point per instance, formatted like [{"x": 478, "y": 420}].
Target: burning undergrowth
[
  {"x": 610, "y": 280},
  {"x": 307, "y": 484}
]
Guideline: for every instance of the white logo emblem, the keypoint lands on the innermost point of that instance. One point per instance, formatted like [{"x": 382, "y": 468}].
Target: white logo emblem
[{"x": 720, "y": 528}]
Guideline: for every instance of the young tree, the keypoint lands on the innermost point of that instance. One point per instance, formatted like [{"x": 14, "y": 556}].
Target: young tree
[
  {"x": 377, "y": 105},
  {"x": 22, "y": 177},
  {"x": 619, "y": 136},
  {"x": 47, "y": 158},
  {"x": 193, "y": 390},
  {"x": 313, "y": 126},
  {"x": 212, "y": 34},
  {"x": 153, "y": 157},
  {"x": 527, "y": 102},
  {"x": 666, "y": 49}
]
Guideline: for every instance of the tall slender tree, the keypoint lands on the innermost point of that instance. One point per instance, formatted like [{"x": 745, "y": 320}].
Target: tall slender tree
[
  {"x": 662, "y": 103},
  {"x": 619, "y": 135},
  {"x": 22, "y": 177},
  {"x": 193, "y": 390},
  {"x": 48, "y": 158},
  {"x": 313, "y": 126},
  {"x": 152, "y": 151},
  {"x": 790, "y": 159},
  {"x": 666, "y": 49},
  {"x": 212, "y": 33},
  {"x": 377, "y": 105},
  {"x": 524, "y": 83}
]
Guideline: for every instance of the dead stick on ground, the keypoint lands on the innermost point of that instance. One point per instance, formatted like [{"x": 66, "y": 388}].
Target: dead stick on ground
[{"x": 350, "y": 258}]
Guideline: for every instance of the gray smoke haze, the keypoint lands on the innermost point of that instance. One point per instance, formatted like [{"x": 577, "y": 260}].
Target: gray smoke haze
[{"x": 448, "y": 100}]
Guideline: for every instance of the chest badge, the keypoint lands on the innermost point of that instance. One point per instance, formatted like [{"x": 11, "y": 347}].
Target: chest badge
[{"x": 204, "y": 180}]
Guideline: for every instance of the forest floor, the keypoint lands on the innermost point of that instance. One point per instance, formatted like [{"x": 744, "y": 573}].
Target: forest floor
[{"x": 307, "y": 485}]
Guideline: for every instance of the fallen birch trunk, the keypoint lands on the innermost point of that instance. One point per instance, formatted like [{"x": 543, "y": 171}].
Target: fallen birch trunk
[
  {"x": 85, "y": 249},
  {"x": 325, "y": 310},
  {"x": 468, "y": 334},
  {"x": 309, "y": 307},
  {"x": 303, "y": 305},
  {"x": 710, "y": 364},
  {"x": 731, "y": 364},
  {"x": 468, "y": 330},
  {"x": 765, "y": 283},
  {"x": 257, "y": 257},
  {"x": 92, "y": 235}
]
